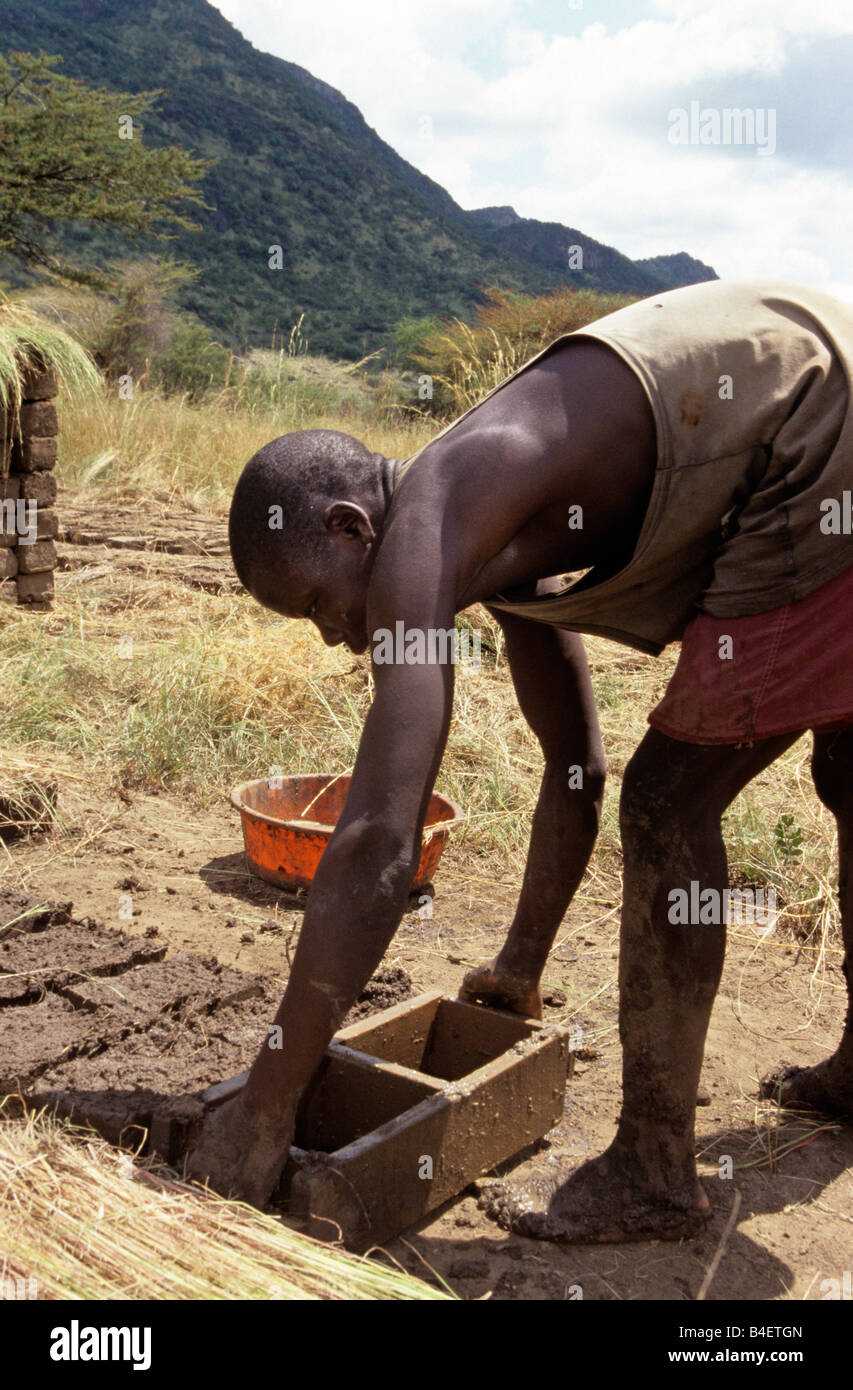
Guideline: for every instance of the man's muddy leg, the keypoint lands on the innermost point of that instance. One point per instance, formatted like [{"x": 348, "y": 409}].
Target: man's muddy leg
[
  {"x": 552, "y": 681},
  {"x": 828, "y": 1087},
  {"x": 565, "y": 825},
  {"x": 645, "y": 1185}
]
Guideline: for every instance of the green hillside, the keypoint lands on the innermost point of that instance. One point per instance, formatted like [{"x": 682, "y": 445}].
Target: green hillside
[
  {"x": 548, "y": 245},
  {"x": 366, "y": 239}
]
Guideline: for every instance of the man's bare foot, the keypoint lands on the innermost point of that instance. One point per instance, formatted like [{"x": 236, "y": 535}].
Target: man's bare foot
[
  {"x": 826, "y": 1088},
  {"x": 239, "y": 1153},
  {"x": 491, "y": 984},
  {"x": 602, "y": 1202}
]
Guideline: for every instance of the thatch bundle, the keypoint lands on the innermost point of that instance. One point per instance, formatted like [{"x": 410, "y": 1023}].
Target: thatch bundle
[{"x": 86, "y": 1221}]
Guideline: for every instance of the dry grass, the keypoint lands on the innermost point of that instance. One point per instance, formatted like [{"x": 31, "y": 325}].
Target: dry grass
[
  {"x": 167, "y": 448},
  {"x": 216, "y": 690},
  {"x": 88, "y": 1222},
  {"x": 465, "y": 360},
  {"x": 27, "y": 341}
]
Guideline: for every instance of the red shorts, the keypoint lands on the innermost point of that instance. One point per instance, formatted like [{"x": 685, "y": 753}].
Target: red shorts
[{"x": 739, "y": 680}]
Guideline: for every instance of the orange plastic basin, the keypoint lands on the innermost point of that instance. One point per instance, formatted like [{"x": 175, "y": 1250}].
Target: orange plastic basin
[{"x": 288, "y": 821}]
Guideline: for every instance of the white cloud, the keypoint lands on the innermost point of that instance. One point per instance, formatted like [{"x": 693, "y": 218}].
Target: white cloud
[{"x": 572, "y": 126}]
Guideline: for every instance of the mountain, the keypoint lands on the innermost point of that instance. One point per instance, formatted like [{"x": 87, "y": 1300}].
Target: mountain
[
  {"x": 679, "y": 269},
  {"x": 557, "y": 248},
  {"x": 366, "y": 238}
]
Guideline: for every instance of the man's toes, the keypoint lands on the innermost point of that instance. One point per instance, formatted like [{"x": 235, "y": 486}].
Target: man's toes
[
  {"x": 490, "y": 1194},
  {"x": 496, "y": 1200},
  {"x": 777, "y": 1082}
]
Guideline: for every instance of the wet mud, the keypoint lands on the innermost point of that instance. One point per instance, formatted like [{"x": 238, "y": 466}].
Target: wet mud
[{"x": 100, "y": 1028}]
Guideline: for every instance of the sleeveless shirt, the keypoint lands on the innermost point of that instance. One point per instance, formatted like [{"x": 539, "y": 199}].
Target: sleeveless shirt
[{"x": 750, "y": 387}]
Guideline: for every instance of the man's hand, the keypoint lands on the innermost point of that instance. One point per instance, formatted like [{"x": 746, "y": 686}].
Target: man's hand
[{"x": 240, "y": 1153}]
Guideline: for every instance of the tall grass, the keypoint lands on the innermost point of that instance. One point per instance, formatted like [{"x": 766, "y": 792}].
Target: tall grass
[
  {"x": 173, "y": 449},
  {"x": 465, "y": 360},
  {"x": 169, "y": 689}
]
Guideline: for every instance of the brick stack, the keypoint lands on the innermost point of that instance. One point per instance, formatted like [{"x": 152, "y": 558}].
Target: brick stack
[{"x": 27, "y": 459}]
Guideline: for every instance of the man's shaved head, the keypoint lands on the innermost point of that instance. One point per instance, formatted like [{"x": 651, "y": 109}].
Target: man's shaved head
[
  {"x": 300, "y": 473},
  {"x": 306, "y": 518}
]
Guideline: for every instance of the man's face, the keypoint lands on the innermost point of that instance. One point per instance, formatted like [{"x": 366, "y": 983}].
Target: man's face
[{"x": 328, "y": 586}]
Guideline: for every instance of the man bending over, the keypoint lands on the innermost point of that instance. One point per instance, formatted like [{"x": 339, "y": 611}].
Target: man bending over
[{"x": 694, "y": 454}]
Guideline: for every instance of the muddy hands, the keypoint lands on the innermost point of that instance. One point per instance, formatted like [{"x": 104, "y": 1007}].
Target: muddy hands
[{"x": 241, "y": 1154}]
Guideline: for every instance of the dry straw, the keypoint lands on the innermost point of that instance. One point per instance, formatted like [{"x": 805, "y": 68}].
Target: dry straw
[
  {"x": 88, "y": 1222},
  {"x": 26, "y": 340}
]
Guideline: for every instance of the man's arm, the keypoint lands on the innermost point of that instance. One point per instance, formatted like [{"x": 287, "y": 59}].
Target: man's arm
[
  {"x": 357, "y": 898},
  {"x": 361, "y": 887},
  {"x": 551, "y": 679}
]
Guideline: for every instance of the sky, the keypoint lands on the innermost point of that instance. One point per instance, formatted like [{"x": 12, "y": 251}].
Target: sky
[{"x": 610, "y": 115}]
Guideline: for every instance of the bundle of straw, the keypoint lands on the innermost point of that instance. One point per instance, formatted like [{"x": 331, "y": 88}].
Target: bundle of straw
[
  {"x": 27, "y": 340},
  {"x": 88, "y": 1222}
]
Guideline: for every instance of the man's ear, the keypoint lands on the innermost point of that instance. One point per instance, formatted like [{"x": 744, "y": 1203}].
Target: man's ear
[{"x": 348, "y": 519}]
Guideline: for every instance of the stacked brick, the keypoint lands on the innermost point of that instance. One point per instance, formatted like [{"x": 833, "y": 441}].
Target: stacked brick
[{"x": 28, "y": 523}]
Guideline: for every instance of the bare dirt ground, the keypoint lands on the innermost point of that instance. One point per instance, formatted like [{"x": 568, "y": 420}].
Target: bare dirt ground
[
  {"x": 184, "y": 880},
  {"x": 188, "y": 881}
]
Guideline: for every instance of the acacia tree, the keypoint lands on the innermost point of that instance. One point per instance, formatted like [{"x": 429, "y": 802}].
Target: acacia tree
[{"x": 72, "y": 153}]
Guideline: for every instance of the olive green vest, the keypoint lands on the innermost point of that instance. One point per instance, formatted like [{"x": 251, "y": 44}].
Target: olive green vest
[{"x": 750, "y": 386}]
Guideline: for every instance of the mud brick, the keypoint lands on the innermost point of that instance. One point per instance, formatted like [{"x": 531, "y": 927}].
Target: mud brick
[
  {"x": 38, "y": 384},
  {"x": 10, "y": 488},
  {"x": 20, "y": 989},
  {"x": 20, "y": 913},
  {"x": 55, "y": 958},
  {"x": 46, "y": 523},
  {"x": 123, "y": 1115},
  {"x": 8, "y": 591},
  {"x": 35, "y": 589},
  {"x": 120, "y": 1119},
  {"x": 35, "y": 558},
  {"x": 150, "y": 990},
  {"x": 38, "y": 418},
  {"x": 8, "y": 564},
  {"x": 38, "y": 1036},
  {"x": 39, "y": 487},
  {"x": 34, "y": 454},
  {"x": 153, "y": 1078}
]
